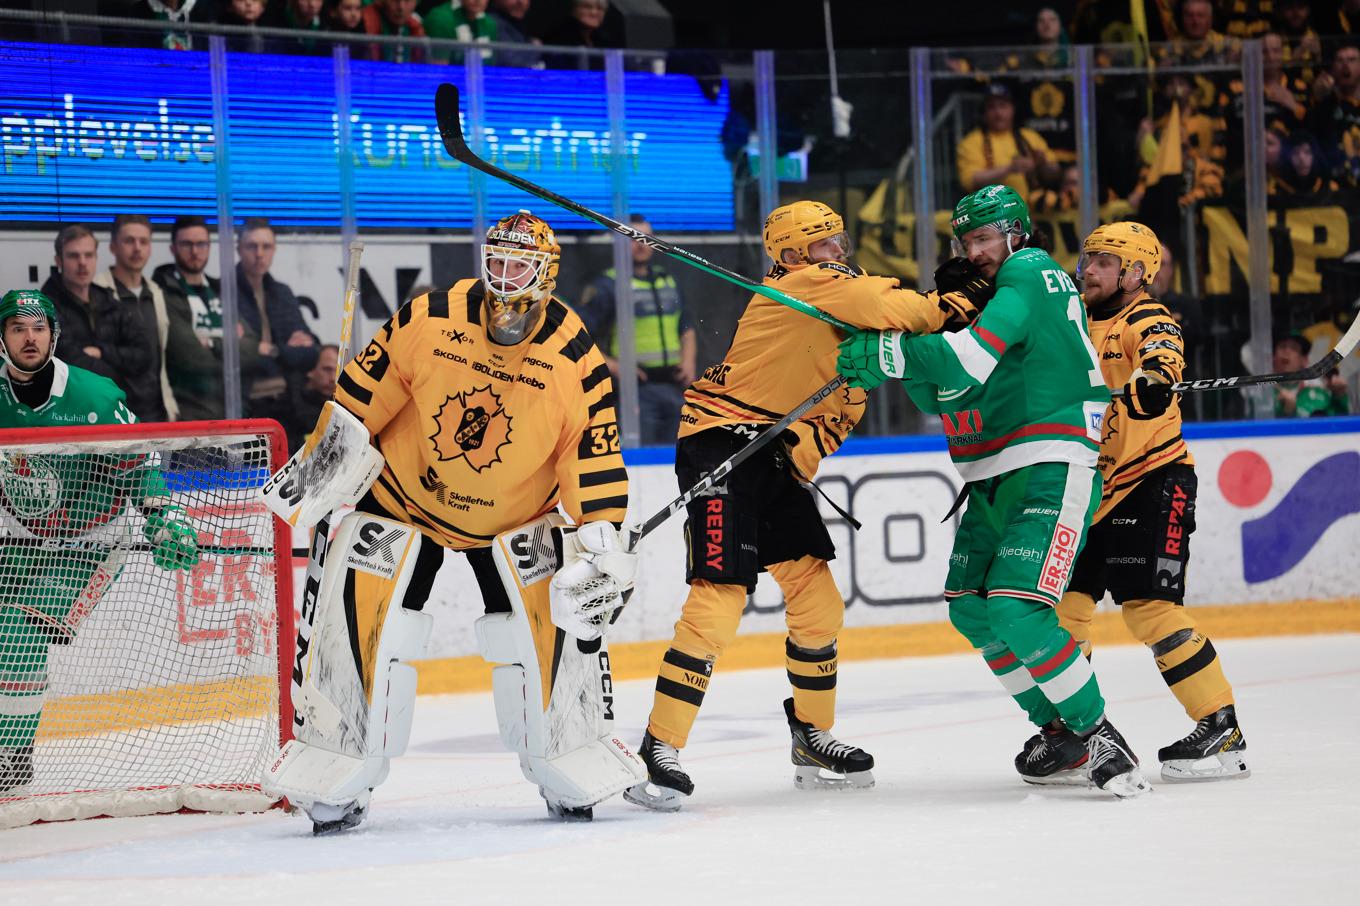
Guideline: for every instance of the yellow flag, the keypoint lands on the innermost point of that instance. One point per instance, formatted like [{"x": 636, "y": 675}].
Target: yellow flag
[{"x": 1170, "y": 160}]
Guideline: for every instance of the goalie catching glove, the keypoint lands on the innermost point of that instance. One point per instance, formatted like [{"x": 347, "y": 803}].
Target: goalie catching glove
[
  {"x": 175, "y": 543},
  {"x": 597, "y": 573},
  {"x": 870, "y": 357}
]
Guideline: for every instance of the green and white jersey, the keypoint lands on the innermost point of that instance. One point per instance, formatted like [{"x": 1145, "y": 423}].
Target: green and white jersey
[
  {"x": 71, "y": 495},
  {"x": 1022, "y": 385}
]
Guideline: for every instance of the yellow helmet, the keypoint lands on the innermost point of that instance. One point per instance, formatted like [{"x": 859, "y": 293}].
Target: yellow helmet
[
  {"x": 798, "y": 225},
  {"x": 1132, "y": 243}
]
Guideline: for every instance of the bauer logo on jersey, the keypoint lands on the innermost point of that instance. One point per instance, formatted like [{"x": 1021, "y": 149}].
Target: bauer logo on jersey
[
  {"x": 378, "y": 547},
  {"x": 1062, "y": 552},
  {"x": 31, "y": 485},
  {"x": 472, "y": 426}
]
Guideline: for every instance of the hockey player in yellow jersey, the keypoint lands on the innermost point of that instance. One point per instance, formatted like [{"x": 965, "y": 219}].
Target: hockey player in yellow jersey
[
  {"x": 763, "y": 516},
  {"x": 489, "y": 406},
  {"x": 1138, "y": 547}
]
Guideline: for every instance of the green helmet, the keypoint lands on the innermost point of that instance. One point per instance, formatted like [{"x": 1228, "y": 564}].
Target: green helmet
[
  {"x": 34, "y": 304},
  {"x": 988, "y": 205}
]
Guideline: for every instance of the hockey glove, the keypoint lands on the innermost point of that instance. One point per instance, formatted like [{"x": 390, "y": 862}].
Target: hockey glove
[
  {"x": 175, "y": 542},
  {"x": 960, "y": 277},
  {"x": 596, "y": 575},
  {"x": 870, "y": 357},
  {"x": 1147, "y": 394}
]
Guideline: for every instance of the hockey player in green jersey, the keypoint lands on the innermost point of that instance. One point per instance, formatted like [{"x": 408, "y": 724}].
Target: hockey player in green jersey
[
  {"x": 63, "y": 535},
  {"x": 1021, "y": 396}
]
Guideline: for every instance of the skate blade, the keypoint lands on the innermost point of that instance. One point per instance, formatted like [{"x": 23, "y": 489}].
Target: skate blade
[
  {"x": 810, "y": 778},
  {"x": 1069, "y": 777},
  {"x": 656, "y": 798},
  {"x": 343, "y": 823},
  {"x": 1227, "y": 766},
  {"x": 569, "y": 813},
  {"x": 1129, "y": 785}
]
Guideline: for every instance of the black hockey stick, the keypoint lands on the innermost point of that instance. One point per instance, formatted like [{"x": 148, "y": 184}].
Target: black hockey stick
[
  {"x": 451, "y": 130},
  {"x": 637, "y": 532},
  {"x": 1344, "y": 347}
]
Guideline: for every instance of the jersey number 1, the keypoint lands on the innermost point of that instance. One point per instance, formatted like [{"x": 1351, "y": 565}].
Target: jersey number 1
[{"x": 1077, "y": 316}]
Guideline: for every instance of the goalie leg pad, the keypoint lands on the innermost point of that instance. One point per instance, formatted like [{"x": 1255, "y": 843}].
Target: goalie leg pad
[
  {"x": 356, "y": 698},
  {"x": 554, "y": 695}
]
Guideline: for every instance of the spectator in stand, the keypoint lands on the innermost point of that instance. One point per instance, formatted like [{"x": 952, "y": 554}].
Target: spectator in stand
[
  {"x": 1245, "y": 19},
  {"x": 663, "y": 338},
  {"x": 394, "y": 18},
  {"x": 461, "y": 20},
  {"x": 511, "y": 28},
  {"x": 148, "y": 392},
  {"x": 287, "y": 348},
  {"x": 345, "y": 16},
  {"x": 1286, "y": 98},
  {"x": 1302, "y": 47},
  {"x": 583, "y": 28},
  {"x": 1324, "y": 396},
  {"x": 318, "y": 386},
  {"x": 1275, "y": 160},
  {"x": 1044, "y": 102},
  {"x": 97, "y": 333},
  {"x": 175, "y": 13},
  {"x": 1335, "y": 117},
  {"x": 301, "y": 15},
  {"x": 249, "y": 14},
  {"x": 1303, "y": 171},
  {"x": 193, "y": 349},
  {"x": 1198, "y": 42},
  {"x": 998, "y": 152},
  {"x": 1066, "y": 197}
]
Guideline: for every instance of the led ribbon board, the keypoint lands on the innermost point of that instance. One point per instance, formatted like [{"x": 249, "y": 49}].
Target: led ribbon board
[{"x": 87, "y": 133}]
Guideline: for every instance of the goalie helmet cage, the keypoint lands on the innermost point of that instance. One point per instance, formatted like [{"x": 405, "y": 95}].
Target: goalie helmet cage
[{"x": 129, "y": 688}]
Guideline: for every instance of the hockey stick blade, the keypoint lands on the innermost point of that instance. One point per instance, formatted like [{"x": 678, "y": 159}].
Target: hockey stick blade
[
  {"x": 451, "y": 131},
  {"x": 721, "y": 471}
]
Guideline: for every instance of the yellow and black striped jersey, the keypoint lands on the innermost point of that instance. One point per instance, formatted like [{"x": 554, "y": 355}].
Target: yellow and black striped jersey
[
  {"x": 479, "y": 437},
  {"x": 1142, "y": 334},
  {"x": 780, "y": 357}
]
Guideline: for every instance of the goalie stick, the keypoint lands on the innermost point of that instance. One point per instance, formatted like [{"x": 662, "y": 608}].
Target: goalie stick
[
  {"x": 451, "y": 131},
  {"x": 1344, "y": 347}
]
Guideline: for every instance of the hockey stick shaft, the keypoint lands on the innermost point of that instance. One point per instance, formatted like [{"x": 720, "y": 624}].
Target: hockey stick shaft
[
  {"x": 451, "y": 131},
  {"x": 637, "y": 533},
  {"x": 1344, "y": 347}
]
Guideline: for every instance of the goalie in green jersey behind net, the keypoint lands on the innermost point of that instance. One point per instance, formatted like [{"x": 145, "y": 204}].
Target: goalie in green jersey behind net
[
  {"x": 65, "y": 529},
  {"x": 1022, "y": 399}
]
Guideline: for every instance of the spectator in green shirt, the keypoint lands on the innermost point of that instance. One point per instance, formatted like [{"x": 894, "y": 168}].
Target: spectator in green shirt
[
  {"x": 1326, "y": 396},
  {"x": 467, "y": 22}
]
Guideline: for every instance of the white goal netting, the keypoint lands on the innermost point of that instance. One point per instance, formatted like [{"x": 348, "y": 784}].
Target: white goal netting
[{"x": 135, "y": 676}]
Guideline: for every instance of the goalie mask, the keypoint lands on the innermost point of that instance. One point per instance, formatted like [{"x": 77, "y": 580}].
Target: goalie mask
[
  {"x": 519, "y": 270},
  {"x": 798, "y": 226},
  {"x": 32, "y": 305}
]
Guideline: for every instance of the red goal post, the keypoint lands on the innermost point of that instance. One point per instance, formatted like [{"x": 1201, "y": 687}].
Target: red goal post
[{"x": 126, "y": 687}]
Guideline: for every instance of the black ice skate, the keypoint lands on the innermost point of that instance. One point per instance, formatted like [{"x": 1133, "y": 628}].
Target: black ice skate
[
  {"x": 332, "y": 819},
  {"x": 16, "y": 767},
  {"x": 1053, "y": 757},
  {"x": 817, "y": 754},
  {"x": 1212, "y": 751},
  {"x": 1111, "y": 764},
  {"x": 667, "y": 784}
]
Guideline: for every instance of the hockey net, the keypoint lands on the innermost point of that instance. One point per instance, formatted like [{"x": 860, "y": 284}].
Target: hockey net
[{"x": 127, "y": 687}]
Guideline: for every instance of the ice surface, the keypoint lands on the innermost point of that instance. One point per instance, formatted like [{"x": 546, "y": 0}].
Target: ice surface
[{"x": 949, "y": 821}]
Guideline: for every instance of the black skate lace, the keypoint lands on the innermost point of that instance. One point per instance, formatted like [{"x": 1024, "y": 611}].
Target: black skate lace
[{"x": 824, "y": 742}]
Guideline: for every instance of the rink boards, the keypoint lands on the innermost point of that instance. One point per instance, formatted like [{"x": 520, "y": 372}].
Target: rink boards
[{"x": 1277, "y": 527}]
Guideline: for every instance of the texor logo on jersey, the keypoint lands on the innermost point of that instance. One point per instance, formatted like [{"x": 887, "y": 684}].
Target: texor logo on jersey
[
  {"x": 473, "y": 426},
  {"x": 1062, "y": 551}
]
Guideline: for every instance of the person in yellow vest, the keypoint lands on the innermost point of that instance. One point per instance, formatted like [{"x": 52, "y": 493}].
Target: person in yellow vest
[
  {"x": 663, "y": 338},
  {"x": 1138, "y": 547}
]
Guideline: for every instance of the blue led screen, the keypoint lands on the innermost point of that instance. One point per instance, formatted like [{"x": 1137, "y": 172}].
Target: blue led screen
[{"x": 87, "y": 133}]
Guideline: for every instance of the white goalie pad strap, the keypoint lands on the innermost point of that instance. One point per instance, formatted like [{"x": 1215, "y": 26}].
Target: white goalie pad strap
[
  {"x": 567, "y": 744},
  {"x": 333, "y": 469},
  {"x": 347, "y": 736}
]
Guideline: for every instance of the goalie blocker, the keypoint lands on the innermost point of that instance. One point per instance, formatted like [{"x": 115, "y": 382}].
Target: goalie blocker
[{"x": 553, "y": 693}]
